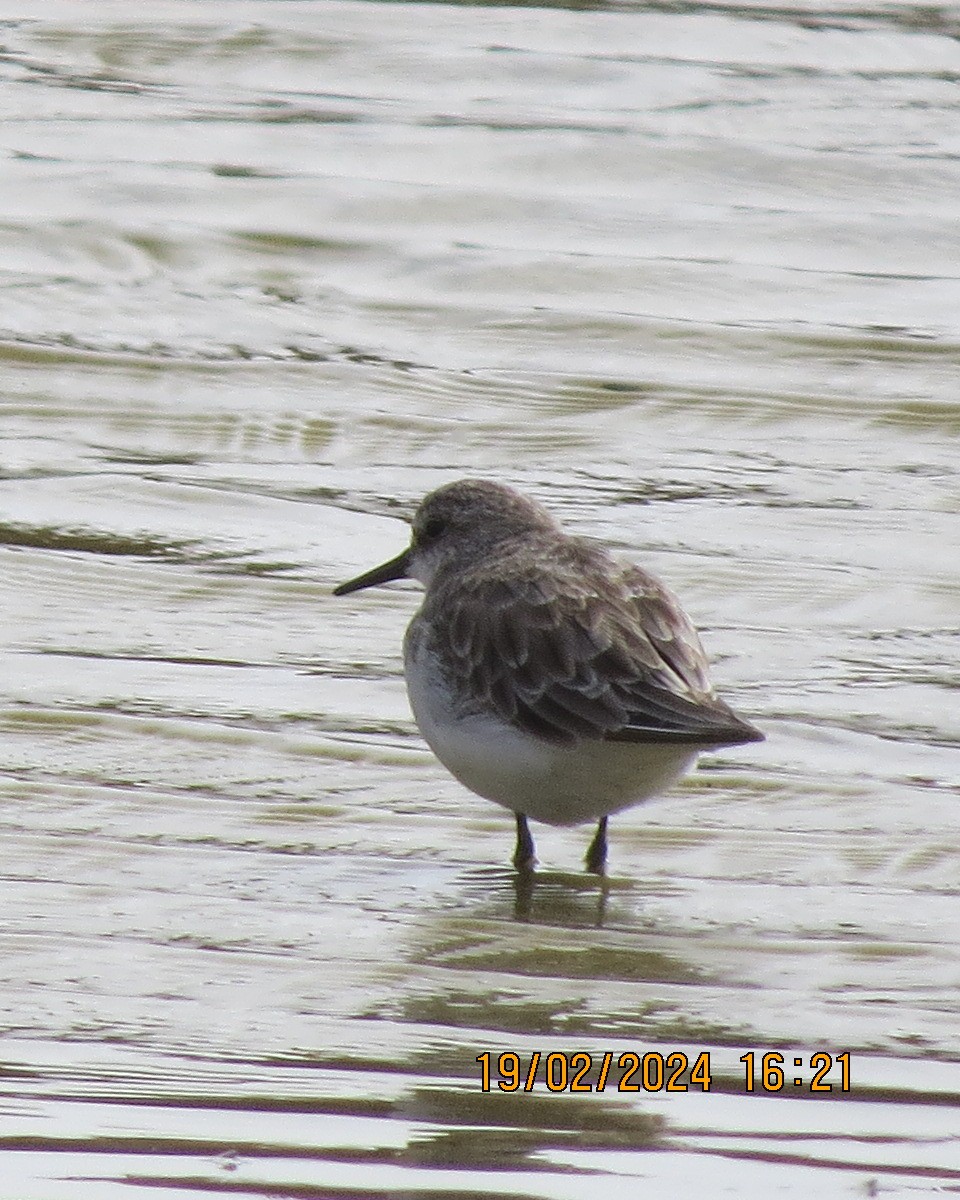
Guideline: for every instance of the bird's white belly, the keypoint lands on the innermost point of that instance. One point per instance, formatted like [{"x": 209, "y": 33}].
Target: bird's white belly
[{"x": 559, "y": 785}]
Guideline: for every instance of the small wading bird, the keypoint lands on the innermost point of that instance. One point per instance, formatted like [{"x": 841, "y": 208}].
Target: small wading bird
[{"x": 545, "y": 674}]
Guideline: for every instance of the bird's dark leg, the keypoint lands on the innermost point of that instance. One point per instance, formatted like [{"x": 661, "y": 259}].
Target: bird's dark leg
[
  {"x": 596, "y": 859},
  {"x": 525, "y": 855}
]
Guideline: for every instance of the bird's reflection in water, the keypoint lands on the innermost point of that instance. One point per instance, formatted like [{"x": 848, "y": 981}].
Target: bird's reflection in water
[
  {"x": 559, "y": 898},
  {"x": 575, "y": 900}
]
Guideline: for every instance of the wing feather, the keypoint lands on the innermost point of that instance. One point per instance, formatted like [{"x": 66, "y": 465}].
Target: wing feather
[{"x": 588, "y": 648}]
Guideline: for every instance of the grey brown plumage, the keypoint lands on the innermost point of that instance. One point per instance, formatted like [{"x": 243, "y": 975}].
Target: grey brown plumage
[
  {"x": 546, "y": 674},
  {"x": 592, "y": 649}
]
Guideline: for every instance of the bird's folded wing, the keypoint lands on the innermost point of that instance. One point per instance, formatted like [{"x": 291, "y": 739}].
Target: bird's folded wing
[{"x": 585, "y": 653}]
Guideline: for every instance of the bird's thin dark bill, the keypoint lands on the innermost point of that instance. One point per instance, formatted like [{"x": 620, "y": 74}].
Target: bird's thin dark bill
[{"x": 396, "y": 568}]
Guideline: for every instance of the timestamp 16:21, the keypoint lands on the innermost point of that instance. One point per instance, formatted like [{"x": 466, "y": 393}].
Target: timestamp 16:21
[{"x": 774, "y": 1076}]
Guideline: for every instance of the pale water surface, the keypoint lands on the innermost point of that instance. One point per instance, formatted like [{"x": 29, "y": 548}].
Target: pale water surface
[{"x": 690, "y": 274}]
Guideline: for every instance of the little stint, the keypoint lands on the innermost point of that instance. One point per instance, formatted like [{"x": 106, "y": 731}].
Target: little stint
[{"x": 545, "y": 674}]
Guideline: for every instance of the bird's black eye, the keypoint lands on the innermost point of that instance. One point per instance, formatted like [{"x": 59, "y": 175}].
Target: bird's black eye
[{"x": 432, "y": 529}]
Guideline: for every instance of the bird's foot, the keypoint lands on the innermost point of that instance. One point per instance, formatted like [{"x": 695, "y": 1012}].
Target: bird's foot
[
  {"x": 525, "y": 854},
  {"x": 596, "y": 857}
]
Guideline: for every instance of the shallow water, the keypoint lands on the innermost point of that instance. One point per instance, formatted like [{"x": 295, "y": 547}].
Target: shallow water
[{"x": 270, "y": 272}]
